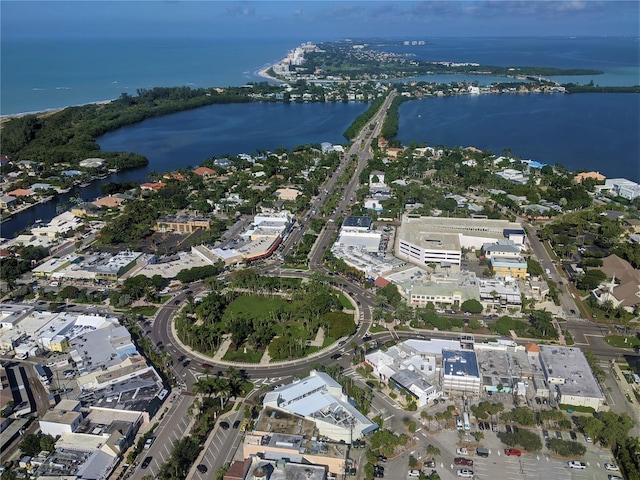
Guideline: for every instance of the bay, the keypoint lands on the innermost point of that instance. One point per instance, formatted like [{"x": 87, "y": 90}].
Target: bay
[
  {"x": 617, "y": 57},
  {"x": 580, "y": 131},
  {"x": 187, "y": 138}
]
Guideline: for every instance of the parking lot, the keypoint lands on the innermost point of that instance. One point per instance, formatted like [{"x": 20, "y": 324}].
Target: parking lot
[{"x": 543, "y": 465}]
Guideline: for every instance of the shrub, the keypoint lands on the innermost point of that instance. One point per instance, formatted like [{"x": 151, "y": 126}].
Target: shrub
[{"x": 566, "y": 448}]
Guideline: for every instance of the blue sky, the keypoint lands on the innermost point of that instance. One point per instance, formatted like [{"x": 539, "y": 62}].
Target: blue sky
[{"x": 320, "y": 20}]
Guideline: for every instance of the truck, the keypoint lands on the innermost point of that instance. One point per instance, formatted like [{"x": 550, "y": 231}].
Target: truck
[
  {"x": 42, "y": 374},
  {"x": 467, "y": 424},
  {"x": 483, "y": 452}
]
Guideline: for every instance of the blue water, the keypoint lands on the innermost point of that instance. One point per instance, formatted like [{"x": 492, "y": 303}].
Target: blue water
[
  {"x": 617, "y": 57},
  {"x": 583, "y": 131},
  {"x": 38, "y": 75},
  {"x": 579, "y": 131},
  {"x": 187, "y": 138}
]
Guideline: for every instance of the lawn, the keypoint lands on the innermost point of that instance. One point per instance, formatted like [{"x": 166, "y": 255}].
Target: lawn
[
  {"x": 239, "y": 356},
  {"x": 619, "y": 341},
  {"x": 256, "y": 307},
  {"x": 147, "y": 310},
  {"x": 344, "y": 301}
]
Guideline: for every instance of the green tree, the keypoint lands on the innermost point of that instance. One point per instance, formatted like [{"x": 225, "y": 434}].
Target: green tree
[
  {"x": 30, "y": 445},
  {"x": 433, "y": 451},
  {"x": 472, "y": 306}
]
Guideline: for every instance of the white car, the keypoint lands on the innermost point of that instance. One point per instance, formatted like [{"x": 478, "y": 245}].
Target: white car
[
  {"x": 588, "y": 439},
  {"x": 414, "y": 473},
  {"x": 462, "y": 451},
  {"x": 465, "y": 473},
  {"x": 614, "y": 477},
  {"x": 577, "y": 464},
  {"x": 611, "y": 466},
  {"x": 149, "y": 442}
]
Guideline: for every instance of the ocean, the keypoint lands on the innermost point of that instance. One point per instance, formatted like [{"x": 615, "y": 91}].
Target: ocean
[
  {"x": 37, "y": 75},
  {"x": 590, "y": 131}
]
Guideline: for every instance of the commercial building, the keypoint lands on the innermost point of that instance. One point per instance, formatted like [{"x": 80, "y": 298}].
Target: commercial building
[
  {"x": 509, "y": 267},
  {"x": 63, "y": 418},
  {"x": 460, "y": 371},
  {"x": 181, "y": 224},
  {"x": 357, "y": 224},
  {"x": 319, "y": 398},
  {"x": 279, "y": 435},
  {"x": 569, "y": 376},
  {"x": 440, "y": 240},
  {"x": 256, "y": 468}
]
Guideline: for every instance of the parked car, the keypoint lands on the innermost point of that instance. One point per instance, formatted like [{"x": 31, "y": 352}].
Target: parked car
[
  {"x": 512, "y": 452},
  {"x": 224, "y": 425},
  {"x": 614, "y": 477},
  {"x": 236, "y": 424},
  {"x": 558, "y": 435},
  {"x": 573, "y": 435},
  {"x": 462, "y": 451},
  {"x": 588, "y": 439},
  {"x": 507, "y": 428},
  {"x": 467, "y": 462},
  {"x": 486, "y": 426},
  {"x": 612, "y": 467},
  {"x": 465, "y": 473},
  {"x": 545, "y": 434},
  {"x": 146, "y": 462},
  {"x": 414, "y": 473},
  {"x": 202, "y": 468},
  {"x": 481, "y": 425},
  {"x": 430, "y": 464},
  {"x": 382, "y": 458},
  {"x": 149, "y": 442},
  {"x": 577, "y": 464},
  {"x": 207, "y": 365}
]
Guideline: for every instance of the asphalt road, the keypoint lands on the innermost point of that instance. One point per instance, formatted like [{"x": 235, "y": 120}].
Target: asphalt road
[
  {"x": 172, "y": 427},
  {"x": 222, "y": 443}
]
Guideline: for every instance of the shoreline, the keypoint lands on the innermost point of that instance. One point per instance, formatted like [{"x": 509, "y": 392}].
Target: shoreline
[{"x": 50, "y": 111}]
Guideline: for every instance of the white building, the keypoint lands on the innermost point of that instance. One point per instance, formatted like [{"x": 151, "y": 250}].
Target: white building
[
  {"x": 460, "y": 371},
  {"x": 569, "y": 376},
  {"x": 621, "y": 187},
  {"x": 63, "y": 418},
  {"x": 440, "y": 240},
  {"x": 319, "y": 397}
]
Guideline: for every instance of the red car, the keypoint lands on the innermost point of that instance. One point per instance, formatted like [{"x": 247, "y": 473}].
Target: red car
[
  {"x": 463, "y": 461},
  {"x": 512, "y": 452}
]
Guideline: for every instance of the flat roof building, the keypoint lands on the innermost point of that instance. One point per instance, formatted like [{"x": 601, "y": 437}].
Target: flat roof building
[
  {"x": 460, "y": 371},
  {"x": 570, "y": 377},
  {"x": 424, "y": 240},
  {"x": 282, "y": 435},
  {"x": 357, "y": 223}
]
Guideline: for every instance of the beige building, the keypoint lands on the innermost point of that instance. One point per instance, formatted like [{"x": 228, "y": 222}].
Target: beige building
[
  {"x": 278, "y": 434},
  {"x": 181, "y": 224},
  {"x": 597, "y": 176}
]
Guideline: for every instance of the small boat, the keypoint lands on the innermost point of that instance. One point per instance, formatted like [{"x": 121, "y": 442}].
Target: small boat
[{"x": 38, "y": 220}]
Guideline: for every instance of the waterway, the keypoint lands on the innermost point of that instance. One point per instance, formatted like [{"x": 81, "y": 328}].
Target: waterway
[{"x": 187, "y": 138}]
